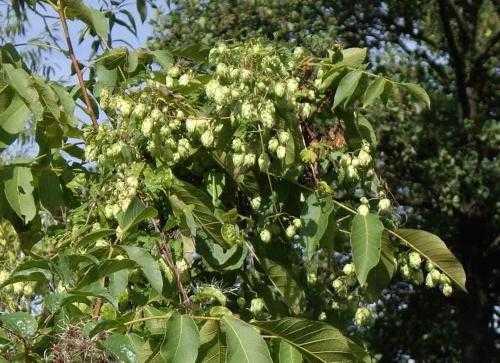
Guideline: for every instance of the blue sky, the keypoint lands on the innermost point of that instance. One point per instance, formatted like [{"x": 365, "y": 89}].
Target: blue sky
[{"x": 35, "y": 29}]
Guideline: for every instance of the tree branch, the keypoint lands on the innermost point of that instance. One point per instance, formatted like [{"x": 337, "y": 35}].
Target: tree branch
[
  {"x": 462, "y": 25},
  {"x": 456, "y": 59},
  {"x": 76, "y": 66}
]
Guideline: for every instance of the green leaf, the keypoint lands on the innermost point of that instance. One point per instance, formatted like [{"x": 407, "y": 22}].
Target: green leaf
[
  {"x": 353, "y": 56},
  {"x": 104, "y": 268},
  {"x": 106, "y": 78},
  {"x": 29, "y": 274},
  {"x": 182, "y": 340},
  {"x": 202, "y": 210},
  {"x": 388, "y": 93},
  {"x": 136, "y": 213},
  {"x": 419, "y": 93},
  {"x": 21, "y": 323},
  {"x": 118, "y": 282},
  {"x": 219, "y": 259},
  {"x": 318, "y": 341},
  {"x": 148, "y": 264},
  {"x": 113, "y": 58},
  {"x": 54, "y": 301},
  {"x": 287, "y": 353},
  {"x": 18, "y": 190},
  {"x": 434, "y": 249},
  {"x": 285, "y": 283},
  {"x": 163, "y": 58},
  {"x": 47, "y": 96},
  {"x": 65, "y": 99},
  {"x": 156, "y": 326},
  {"x": 141, "y": 347},
  {"x": 94, "y": 236},
  {"x": 213, "y": 347},
  {"x": 21, "y": 81},
  {"x": 366, "y": 234},
  {"x": 142, "y": 9},
  {"x": 380, "y": 276},
  {"x": 122, "y": 347},
  {"x": 9, "y": 54},
  {"x": 98, "y": 291},
  {"x": 244, "y": 343},
  {"x": 346, "y": 87},
  {"x": 108, "y": 324},
  {"x": 195, "y": 52},
  {"x": 95, "y": 19},
  {"x": 365, "y": 129},
  {"x": 133, "y": 61},
  {"x": 14, "y": 118},
  {"x": 315, "y": 218},
  {"x": 50, "y": 191},
  {"x": 373, "y": 91}
]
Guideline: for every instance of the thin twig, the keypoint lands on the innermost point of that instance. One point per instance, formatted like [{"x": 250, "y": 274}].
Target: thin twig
[{"x": 76, "y": 66}]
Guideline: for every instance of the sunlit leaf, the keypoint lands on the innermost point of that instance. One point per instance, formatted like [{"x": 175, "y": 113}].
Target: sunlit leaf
[
  {"x": 373, "y": 91},
  {"x": 148, "y": 264},
  {"x": 315, "y": 219},
  {"x": 135, "y": 213},
  {"x": 434, "y": 249},
  {"x": 95, "y": 19},
  {"x": 419, "y": 93},
  {"x": 346, "y": 87},
  {"x": 181, "y": 341},
  {"x": 122, "y": 347},
  {"x": 14, "y": 118},
  {"x": 353, "y": 56},
  {"x": 366, "y": 234},
  {"x": 317, "y": 341},
  {"x": 18, "y": 188},
  {"x": 21, "y": 323},
  {"x": 244, "y": 343}
]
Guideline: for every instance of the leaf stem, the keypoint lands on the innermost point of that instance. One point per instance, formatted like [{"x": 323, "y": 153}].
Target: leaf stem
[
  {"x": 147, "y": 318},
  {"x": 205, "y": 317},
  {"x": 166, "y": 317}
]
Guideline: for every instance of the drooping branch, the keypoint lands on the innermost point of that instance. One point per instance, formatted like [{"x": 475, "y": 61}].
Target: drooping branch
[{"x": 76, "y": 66}]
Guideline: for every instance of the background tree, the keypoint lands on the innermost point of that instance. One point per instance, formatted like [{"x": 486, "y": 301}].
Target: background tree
[{"x": 450, "y": 45}]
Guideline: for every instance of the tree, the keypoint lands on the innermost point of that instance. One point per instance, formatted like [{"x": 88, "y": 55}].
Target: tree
[
  {"x": 452, "y": 47},
  {"x": 226, "y": 207}
]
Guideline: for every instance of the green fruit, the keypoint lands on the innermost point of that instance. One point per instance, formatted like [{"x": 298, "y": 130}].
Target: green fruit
[
  {"x": 230, "y": 233},
  {"x": 219, "y": 312},
  {"x": 265, "y": 236},
  {"x": 290, "y": 231}
]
